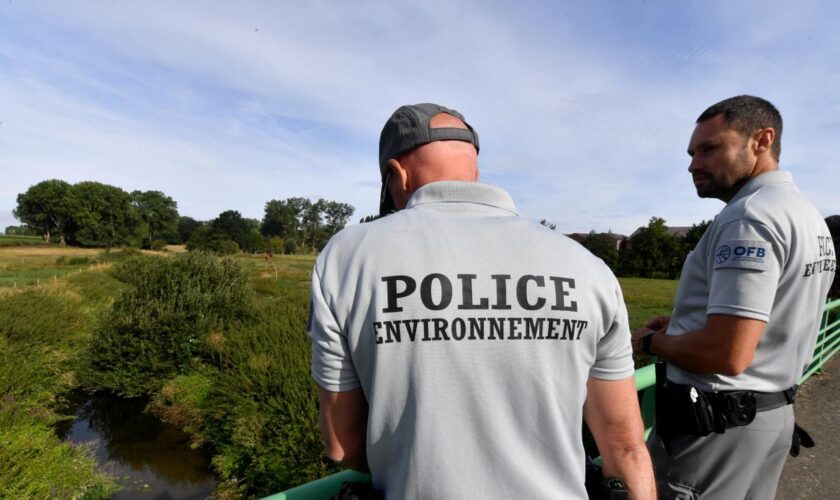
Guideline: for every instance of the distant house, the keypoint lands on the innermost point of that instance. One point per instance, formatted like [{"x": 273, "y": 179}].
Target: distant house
[{"x": 617, "y": 240}]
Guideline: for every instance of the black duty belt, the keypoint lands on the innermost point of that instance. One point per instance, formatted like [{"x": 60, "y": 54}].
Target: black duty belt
[{"x": 770, "y": 401}]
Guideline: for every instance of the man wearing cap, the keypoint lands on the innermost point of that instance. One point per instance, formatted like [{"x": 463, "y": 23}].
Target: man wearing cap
[
  {"x": 745, "y": 317},
  {"x": 457, "y": 347}
]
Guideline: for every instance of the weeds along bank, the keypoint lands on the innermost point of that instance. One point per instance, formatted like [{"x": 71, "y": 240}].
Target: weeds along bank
[
  {"x": 219, "y": 344},
  {"x": 42, "y": 330}
]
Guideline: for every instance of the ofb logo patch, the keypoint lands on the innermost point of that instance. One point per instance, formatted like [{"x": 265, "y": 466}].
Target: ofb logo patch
[{"x": 723, "y": 254}]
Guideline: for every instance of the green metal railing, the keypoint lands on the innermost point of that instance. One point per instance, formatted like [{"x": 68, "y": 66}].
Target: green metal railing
[{"x": 828, "y": 344}]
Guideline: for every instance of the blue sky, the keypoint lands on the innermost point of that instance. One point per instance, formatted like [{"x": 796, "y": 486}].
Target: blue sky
[{"x": 584, "y": 108}]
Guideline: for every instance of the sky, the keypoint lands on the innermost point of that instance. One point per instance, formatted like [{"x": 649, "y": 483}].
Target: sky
[{"x": 584, "y": 108}]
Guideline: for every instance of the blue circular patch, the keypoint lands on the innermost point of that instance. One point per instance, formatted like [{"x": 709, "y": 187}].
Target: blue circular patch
[{"x": 723, "y": 254}]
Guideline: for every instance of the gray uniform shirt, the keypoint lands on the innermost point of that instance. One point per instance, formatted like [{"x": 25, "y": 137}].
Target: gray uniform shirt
[
  {"x": 472, "y": 332},
  {"x": 768, "y": 256}
]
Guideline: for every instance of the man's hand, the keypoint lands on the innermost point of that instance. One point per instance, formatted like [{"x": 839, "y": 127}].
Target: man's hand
[{"x": 658, "y": 324}]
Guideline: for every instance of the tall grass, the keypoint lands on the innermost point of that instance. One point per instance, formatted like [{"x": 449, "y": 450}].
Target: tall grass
[{"x": 41, "y": 330}]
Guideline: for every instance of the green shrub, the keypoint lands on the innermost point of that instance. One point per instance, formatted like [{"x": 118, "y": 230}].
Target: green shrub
[
  {"x": 159, "y": 324},
  {"x": 228, "y": 247}
]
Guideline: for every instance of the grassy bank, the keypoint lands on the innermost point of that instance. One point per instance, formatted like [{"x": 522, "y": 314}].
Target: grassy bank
[{"x": 42, "y": 330}]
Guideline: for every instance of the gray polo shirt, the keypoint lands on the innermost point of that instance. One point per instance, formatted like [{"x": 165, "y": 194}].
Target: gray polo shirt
[
  {"x": 472, "y": 332},
  {"x": 768, "y": 256}
]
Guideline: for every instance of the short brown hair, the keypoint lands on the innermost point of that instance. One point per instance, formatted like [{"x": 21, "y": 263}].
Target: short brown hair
[{"x": 746, "y": 114}]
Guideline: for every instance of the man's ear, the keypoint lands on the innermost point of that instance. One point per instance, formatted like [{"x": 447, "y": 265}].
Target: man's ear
[
  {"x": 764, "y": 139},
  {"x": 399, "y": 173}
]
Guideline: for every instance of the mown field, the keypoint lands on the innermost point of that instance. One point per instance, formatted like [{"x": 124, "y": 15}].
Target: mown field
[{"x": 72, "y": 318}]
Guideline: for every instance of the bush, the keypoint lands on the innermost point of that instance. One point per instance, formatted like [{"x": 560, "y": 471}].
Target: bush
[
  {"x": 160, "y": 323},
  {"x": 228, "y": 247}
]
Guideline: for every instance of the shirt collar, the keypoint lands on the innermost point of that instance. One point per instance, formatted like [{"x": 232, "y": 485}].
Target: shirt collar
[
  {"x": 462, "y": 192},
  {"x": 765, "y": 179}
]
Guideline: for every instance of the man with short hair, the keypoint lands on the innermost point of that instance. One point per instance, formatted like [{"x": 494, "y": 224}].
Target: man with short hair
[
  {"x": 745, "y": 318},
  {"x": 457, "y": 347}
]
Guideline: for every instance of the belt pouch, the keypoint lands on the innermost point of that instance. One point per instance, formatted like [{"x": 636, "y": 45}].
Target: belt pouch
[{"x": 682, "y": 409}]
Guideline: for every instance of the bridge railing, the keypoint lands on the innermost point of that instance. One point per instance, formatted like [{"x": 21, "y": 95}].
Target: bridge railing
[{"x": 828, "y": 344}]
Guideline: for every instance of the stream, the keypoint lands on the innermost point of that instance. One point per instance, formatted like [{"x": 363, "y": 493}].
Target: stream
[{"x": 150, "y": 459}]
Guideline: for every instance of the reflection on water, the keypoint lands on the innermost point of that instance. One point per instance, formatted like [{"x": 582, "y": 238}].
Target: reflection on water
[{"x": 151, "y": 460}]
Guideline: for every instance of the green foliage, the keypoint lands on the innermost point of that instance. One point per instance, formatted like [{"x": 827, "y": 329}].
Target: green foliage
[
  {"x": 305, "y": 222},
  {"x": 41, "y": 331},
  {"x": 159, "y": 213},
  {"x": 102, "y": 215},
  {"x": 22, "y": 241},
  {"x": 230, "y": 225},
  {"x": 694, "y": 234},
  {"x": 603, "y": 247},
  {"x": 261, "y": 411},
  {"x": 45, "y": 207},
  {"x": 35, "y": 464},
  {"x": 653, "y": 252},
  {"x": 97, "y": 215},
  {"x": 160, "y": 323},
  {"x": 186, "y": 226},
  {"x": 21, "y": 231}
]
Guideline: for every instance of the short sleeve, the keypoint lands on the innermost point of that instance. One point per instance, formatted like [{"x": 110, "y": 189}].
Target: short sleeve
[
  {"x": 332, "y": 367},
  {"x": 746, "y": 262},
  {"x": 614, "y": 354}
]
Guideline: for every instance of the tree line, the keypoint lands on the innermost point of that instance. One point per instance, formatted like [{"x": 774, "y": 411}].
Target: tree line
[
  {"x": 652, "y": 251},
  {"x": 93, "y": 214}
]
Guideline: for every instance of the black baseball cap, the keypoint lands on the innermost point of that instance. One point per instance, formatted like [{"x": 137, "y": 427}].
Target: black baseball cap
[{"x": 408, "y": 128}]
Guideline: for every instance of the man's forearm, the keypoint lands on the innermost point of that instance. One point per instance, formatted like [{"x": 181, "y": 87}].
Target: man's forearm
[
  {"x": 693, "y": 352},
  {"x": 612, "y": 413},
  {"x": 725, "y": 345}
]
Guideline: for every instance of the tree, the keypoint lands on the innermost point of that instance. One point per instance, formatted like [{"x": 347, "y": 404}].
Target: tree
[
  {"x": 695, "y": 233},
  {"x": 101, "y": 215},
  {"x": 336, "y": 216},
  {"x": 232, "y": 226},
  {"x": 186, "y": 226},
  {"x": 283, "y": 217},
  {"x": 20, "y": 231},
  {"x": 653, "y": 252},
  {"x": 44, "y": 207},
  {"x": 603, "y": 248},
  {"x": 549, "y": 225},
  {"x": 158, "y": 211},
  {"x": 368, "y": 218}
]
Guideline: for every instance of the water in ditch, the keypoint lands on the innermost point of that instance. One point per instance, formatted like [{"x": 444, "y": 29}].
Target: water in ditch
[{"x": 150, "y": 459}]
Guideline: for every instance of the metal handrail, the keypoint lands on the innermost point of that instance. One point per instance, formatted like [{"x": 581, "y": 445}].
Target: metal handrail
[{"x": 828, "y": 344}]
